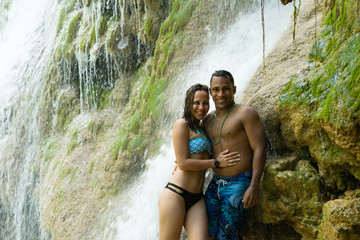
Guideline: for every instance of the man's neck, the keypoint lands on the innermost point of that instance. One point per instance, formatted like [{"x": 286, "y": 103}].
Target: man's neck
[{"x": 221, "y": 112}]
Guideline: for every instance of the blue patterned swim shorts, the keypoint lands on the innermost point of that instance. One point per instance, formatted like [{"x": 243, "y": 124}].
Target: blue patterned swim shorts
[{"x": 226, "y": 212}]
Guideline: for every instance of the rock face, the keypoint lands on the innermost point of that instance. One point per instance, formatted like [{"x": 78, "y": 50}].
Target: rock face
[
  {"x": 293, "y": 194},
  {"x": 341, "y": 217},
  {"x": 308, "y": 97}
]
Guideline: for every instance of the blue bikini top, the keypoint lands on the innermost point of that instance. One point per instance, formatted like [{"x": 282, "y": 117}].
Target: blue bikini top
[{"x": 200, "y": 144}]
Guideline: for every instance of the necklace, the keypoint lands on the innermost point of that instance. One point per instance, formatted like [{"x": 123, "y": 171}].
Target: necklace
[
  {"x": 212, "y": 120},
  {"x": 200, "y": 132}
]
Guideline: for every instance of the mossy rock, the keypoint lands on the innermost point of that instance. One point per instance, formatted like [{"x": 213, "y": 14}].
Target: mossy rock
[
  {"x": 281, "y": 201},
  {"x": 341, "y": 218}
]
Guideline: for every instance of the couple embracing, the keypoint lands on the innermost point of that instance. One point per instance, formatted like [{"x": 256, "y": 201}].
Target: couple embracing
[{"x": 231, "y": 141}]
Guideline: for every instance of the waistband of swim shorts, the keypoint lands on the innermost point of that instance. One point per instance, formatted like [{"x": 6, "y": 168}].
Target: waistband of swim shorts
[{"x": 235, "y": 177}]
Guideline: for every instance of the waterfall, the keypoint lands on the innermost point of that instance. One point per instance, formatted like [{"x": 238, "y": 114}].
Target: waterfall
[
  {"x": 24, "y": 49},
  {"x": 239, "y": 50}
]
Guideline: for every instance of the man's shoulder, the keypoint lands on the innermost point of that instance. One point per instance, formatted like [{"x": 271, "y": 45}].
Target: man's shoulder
[
  {"x": 245, "y": 109},
  {"x": 245, "y": 112}
]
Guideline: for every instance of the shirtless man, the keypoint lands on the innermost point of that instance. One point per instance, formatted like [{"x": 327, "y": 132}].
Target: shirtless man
[{"x": 236, "y": 128}]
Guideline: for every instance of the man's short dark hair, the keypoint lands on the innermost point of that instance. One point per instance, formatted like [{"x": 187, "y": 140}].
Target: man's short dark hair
[{"x": 222, "y": 73}]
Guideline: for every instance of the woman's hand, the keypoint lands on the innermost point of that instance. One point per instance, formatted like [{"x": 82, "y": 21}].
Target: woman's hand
[{"x": 228, "y": 159}]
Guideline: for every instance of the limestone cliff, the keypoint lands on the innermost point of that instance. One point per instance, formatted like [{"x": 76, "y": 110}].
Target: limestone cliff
[{"x": 308, "y": 97}]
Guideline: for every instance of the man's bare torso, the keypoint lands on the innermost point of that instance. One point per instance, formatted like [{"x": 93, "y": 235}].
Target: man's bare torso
[{"x": 233, "y": 137}]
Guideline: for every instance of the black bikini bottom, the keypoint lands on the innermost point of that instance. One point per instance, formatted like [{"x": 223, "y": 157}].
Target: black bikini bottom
[{"x": 190, "y": 198}]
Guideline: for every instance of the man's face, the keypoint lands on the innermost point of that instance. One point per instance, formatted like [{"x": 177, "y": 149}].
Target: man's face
[{"x": 222, "y": 92}]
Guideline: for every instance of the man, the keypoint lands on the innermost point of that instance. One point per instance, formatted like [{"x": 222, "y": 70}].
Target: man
[{"x": 233, "y": 190}]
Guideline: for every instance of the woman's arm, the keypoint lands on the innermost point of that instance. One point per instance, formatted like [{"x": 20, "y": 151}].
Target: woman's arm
[{"x": 181, "y": 133}]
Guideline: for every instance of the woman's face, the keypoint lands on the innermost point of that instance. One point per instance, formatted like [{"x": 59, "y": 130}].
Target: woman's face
[{"x": 200, "y": 105}]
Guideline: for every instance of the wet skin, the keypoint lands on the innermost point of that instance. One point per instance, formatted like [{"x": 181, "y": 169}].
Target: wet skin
[{"x": 242, "y": 132}]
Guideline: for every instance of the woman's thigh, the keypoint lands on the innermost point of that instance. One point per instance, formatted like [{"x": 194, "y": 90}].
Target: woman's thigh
[
  {"x": 196, "y": 224},
  {"x": 171, "y": 215}
]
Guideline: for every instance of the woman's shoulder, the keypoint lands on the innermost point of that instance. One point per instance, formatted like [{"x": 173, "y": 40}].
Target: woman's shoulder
[
  {"x": 181, "y": 123},
  {"x": 181, "y": 127}
]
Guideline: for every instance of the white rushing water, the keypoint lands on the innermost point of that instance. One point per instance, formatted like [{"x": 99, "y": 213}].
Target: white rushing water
[
  {"x": 238, "y": 50},
  {"x": 24, "y": 41}
]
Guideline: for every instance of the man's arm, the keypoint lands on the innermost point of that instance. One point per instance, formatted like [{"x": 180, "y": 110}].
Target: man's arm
[
  {"x": 255, "y": 131},
  {"x": 181, "y": 148}
]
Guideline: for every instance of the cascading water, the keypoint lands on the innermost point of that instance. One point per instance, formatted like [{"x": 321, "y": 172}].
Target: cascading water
[
  {"x": 238, "y": 50},
  {"x": 25, "y": 41}
]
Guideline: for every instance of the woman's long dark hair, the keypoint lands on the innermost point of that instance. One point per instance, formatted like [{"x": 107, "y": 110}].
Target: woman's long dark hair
[{"x": 189, "y": 101}]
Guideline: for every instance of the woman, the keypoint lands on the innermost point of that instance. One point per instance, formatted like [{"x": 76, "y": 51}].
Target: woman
[{"x": 181, "y": 202}]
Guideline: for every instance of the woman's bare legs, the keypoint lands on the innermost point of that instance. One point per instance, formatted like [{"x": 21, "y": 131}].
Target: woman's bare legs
[
  {"x": 196, "y": 224},
  {"x": 171, "y": 215}
]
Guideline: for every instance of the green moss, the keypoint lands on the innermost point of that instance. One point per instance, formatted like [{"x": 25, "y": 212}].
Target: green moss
[
  {"x": 343, "y": 75},
  {"x": 336, "y": 82},
  {"x": 184, "y": 14},
  {"x": 102, "y": 193},
  {"x": 64, "y": 12},
  {"x": 91, "y": 166},
  {"x": 49, "y": 149},
  {"x": 73, "y": 27},
  {"x": 59, "y": 198},
  {"x": 61, "y": 20},
  {"x": 112, "y": 35},
  {"x": 94, "y": 128},
  {"x": 86, "y": 3},
  {"x": 120, "y": 143},
  {"x": 318, "y": 52},
  {"x": 181, "y": 37},
  {"x": 133, "y": 124},
  {"x": 74, "y": 143},
  {"x": 137, "y": 142},
  {"x": 101, "y": 26},
  {"x": 67, "y": 108},
  {"x": 166, "y": 46},
  {"x": 112, "y": 191},
  {"x": 179, "y": 16},
  {"x": 155, "y": 102},
  {"x": 150, "y": 29},
  {"x": 104, "y": 99},
  {"x": 73, "y": 174}
]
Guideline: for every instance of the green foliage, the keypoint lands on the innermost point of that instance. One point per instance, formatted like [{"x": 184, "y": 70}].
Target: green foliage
[{"x": 332, "y": 91}]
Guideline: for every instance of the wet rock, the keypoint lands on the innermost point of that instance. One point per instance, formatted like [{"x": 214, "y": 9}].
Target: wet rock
[
  {"x": 292, "y": 192},
  {"x": 341, "y": 218}
]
